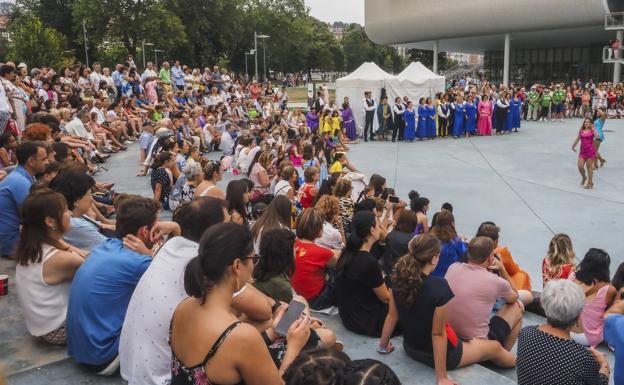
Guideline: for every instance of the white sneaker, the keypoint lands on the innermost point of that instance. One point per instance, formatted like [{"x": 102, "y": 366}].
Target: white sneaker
[{"x": 562, "y": 120}]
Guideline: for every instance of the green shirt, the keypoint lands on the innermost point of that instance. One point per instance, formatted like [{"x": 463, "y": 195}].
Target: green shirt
[
  {"x": 533, "y": 97},
  {"x": 546, "y": 99},
  {"x": 559, "y": 96},
  {"x": 156, "y": 116},
  {"x": 277, "y": 288},
  {"x": 165, "y": 76}
]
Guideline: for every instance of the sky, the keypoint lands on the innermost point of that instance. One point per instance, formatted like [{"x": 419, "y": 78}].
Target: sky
[{"x": 350, "y": 11}]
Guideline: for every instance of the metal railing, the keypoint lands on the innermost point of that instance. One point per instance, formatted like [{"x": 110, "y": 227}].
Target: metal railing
[
  {"x": 614, "y": 21},
  {"x": 611, "y": 55}
]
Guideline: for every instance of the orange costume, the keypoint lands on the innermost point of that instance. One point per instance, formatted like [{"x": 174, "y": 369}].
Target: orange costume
[{"x": 519, "y": 278}]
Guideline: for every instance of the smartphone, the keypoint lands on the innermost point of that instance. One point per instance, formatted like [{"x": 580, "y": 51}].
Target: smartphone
[
  {"x": 393, "y": 199},
  {"x": 294, "y": 311}
]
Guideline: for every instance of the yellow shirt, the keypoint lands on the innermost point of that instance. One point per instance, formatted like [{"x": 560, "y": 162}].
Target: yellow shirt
[
  {"x": 335, "y": 124},
  {"x": 336, "y": 167}
]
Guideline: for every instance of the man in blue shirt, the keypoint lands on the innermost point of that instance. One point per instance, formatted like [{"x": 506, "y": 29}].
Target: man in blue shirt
[
  {"x": 32, "y": 159},
  {"x": 614, "y": 335},
  {"x": 177, "y": 75},
  {"x": 103, "y": 285}
]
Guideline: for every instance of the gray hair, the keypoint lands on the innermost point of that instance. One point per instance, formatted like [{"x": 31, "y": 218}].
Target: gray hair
[
  {"x": 562, "y": 301},
  {"x": 192, "y": 170}
]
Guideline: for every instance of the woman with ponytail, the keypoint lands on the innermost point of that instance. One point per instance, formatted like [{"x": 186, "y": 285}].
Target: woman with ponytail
[
  {"x": 361, "y": 293},
  {"x": 419, "y": 301},
  {"x": 209, "y": 345}
]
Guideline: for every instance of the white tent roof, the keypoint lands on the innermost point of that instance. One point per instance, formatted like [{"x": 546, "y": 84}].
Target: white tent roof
[
  {"x": 417, "y": 72},
  {"x": 368, "y": 75}
]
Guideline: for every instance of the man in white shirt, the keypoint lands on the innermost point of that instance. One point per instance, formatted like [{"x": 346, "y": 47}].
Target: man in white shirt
[
  {"x": 97, "y": 108},
  {"x": 75, "y": 127},
  {"x": 149, "y": 72},
  {"x": 227, "y": 140},
  {"x": 96, "y": 76},
  {"x": 144, "y": 352}
]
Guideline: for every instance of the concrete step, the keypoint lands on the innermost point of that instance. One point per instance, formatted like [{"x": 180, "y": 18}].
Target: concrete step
[{"x": 63, "y": 372}]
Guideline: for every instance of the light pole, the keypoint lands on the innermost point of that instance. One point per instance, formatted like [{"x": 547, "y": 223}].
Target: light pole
[
  {"x": 247, "y": 54},
  {"x": 84, "y": 34},
  {"x": 143, "y": 51},
  {"x": 156, "y": 56},
  {"x": 256, "y": 37},
  {"x": 264, "y": 60}
]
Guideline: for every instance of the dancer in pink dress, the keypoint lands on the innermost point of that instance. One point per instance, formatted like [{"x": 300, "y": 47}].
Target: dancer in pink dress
[
  {"x": 587, "y": 157},
  {"x": 484, "y": 110}
]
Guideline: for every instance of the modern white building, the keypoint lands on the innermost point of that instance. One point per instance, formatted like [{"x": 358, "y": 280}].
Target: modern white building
[{"x": 522, "y": 40}]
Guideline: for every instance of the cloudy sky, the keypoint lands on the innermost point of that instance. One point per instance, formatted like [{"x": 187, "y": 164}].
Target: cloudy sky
[{"x": 350, "y": 11}]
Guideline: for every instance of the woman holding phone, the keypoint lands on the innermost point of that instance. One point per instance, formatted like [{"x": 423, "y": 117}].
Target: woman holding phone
[{"x": 209, "y": 344}]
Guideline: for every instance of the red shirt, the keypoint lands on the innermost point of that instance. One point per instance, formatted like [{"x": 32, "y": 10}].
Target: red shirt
[
  {"x": 306, "y": 198},
  {"x": 309, "y": 277}
]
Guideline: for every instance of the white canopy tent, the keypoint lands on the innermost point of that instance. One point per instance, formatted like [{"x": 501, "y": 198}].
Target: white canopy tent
[
  {"x": 416, "y": 81},
  {"x": 368, "y": 77}
]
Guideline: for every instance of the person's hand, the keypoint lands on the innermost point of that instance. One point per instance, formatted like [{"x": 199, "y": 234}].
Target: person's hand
[
  {"x": 162, "y": 228},
  {"x": 3, "y": 174},
  {"x": 574, "y": 149},
  {"x": 600, "y": 357},
  {"x": 316, "y": 323},
  {"x": 299, "y": 332},
  {"x": 385, "y": 349},
  {"x": 135, "y": 244},
  {"x": 497, "y": 264},
  {"x": 446, "y": 381}
]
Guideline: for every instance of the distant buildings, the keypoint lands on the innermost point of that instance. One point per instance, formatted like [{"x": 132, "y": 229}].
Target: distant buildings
[{"x": 337, "y": 29}]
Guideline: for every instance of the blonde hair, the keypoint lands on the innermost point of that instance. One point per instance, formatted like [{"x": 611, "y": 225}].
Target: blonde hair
[
  {"x": 329, "y": 205},
  {"x": 560, "y": 251}
]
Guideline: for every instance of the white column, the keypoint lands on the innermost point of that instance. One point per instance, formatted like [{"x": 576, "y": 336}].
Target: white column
[
  {"x": 435, "y": 56},
  {"x": 506, "y": 60},
  {"x": 617, "y": 69}
]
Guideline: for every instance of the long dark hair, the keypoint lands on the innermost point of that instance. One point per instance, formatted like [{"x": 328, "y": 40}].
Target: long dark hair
[
  {"x": 444, "y": 229},
  {"x": 594, "y": 267},
  {"x": 36, "y": 208},
  {"x": 407, "y": 277},
  {"x": 276, "y": 255},
  {"x": 161, "y": 159},
  {"x": 234, "y": 195},
  {"x": 277, "y": 213},
  {"x": 361, "y": 225},
  {"x": 219, "y": 247}
]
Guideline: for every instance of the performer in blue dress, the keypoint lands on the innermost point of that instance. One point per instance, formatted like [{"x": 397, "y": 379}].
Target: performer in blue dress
[
  {"x": 471, "y": 117},
  {"x": 516, "y": 112},
  {"x": 421, "y": 130},
  {"x": 458, "y": 120},
  {"x": 410, "y": 122},
  {"x": 431, "y": 119},
  {"x": 509, "y": 118}
]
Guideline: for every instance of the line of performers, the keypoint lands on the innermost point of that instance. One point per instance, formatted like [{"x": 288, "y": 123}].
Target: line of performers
[{"x": 441, "y": 118}]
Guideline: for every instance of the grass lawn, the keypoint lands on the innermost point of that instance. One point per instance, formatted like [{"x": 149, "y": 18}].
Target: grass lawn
[{"x": 300, "y": 94}]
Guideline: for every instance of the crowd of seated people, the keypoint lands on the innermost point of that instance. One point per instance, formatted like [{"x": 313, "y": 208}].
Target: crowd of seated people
[{"x": 201, "y": 298}]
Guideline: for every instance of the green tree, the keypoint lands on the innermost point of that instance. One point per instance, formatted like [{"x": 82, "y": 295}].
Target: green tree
[
  {"x": 34, "y": 43},
  {"x": 129, "y": 22},
  {"x": 357, "y": 47},
  {"x": 425, "y": 56}
]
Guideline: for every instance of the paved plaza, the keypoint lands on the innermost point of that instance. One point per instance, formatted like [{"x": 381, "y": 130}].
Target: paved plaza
[{"x": 526, "y": 182}]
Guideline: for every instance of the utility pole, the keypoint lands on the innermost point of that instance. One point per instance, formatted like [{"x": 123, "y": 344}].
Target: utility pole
[
  {"x": 84, "y": 33},
  {"x": 256, "y": 52}
]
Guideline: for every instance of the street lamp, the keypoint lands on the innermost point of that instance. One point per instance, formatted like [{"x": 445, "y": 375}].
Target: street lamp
[
  {"x": 256, "y": 37},
  {"x": 156, "y": 56},
  {"x": 252, "y": 52},
  {"x": 143, "y": 51}
]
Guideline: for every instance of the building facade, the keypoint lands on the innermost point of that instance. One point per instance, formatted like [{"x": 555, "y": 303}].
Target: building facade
[{"x": 554, "y": 40}]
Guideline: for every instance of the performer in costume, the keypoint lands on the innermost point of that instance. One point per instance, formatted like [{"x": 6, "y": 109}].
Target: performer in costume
[
  {"x": 485, "y": 116},
  {"x": 368, "y": 104},
  {"x": 399, "y": 124},
  {"x": 502, "y": 108},
  {"x": 384, "y": 117},
  {"x": 587, "y": 156},
  {"x": 459, "y": 118},
  {"x": 516, "y": 112},
  {"x": 348, "y": 121},
  {"x": 431, "y": 119},
  {"x": 471, "y": 117},
  {"x": 443, "y": 114},
  {"x": 509, "y": 118},
  {"x": 410, "y": 122},
  {"x": 421, "y": 129}
]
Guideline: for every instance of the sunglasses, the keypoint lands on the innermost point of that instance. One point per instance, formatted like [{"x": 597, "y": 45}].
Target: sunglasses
[{"x": 254, "y": 258}]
